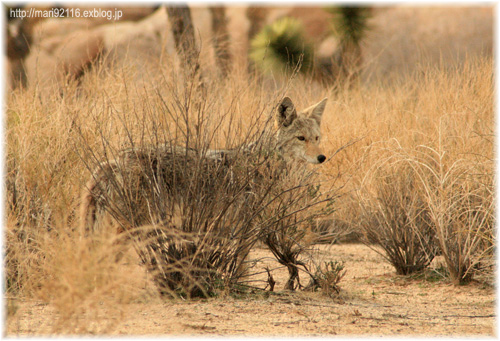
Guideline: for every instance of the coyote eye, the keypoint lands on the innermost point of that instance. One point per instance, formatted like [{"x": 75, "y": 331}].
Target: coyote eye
[
  {"x": 301, "y": 138},
  {"x": 317, "y": 138}
]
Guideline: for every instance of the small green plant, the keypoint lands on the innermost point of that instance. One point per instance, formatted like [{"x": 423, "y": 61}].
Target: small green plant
[
  {"x": 327, "y": 277},
  {"x": 431, "y": 274}
]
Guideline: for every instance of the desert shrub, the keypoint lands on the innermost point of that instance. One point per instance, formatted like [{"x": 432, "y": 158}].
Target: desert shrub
[
  {"x": 327, "y": 277},
  {"x": 288, "y": 231},
  {"x": 338, "y": 228},
  {"x": 428, "y": 202},
  {"x": 459, "y": 198},
  {"x": 395, "y": 217},
  {"x": 204, "y": 220}
]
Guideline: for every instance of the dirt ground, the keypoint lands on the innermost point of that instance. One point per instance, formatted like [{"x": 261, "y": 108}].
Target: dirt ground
[{"x": 373, "y": 301}]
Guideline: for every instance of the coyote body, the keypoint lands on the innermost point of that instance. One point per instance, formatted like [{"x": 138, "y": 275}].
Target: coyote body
[{"x": 127, "y": 188}]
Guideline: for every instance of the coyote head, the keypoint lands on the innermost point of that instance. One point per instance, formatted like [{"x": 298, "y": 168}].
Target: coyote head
[{"x": 299, "y": 133}]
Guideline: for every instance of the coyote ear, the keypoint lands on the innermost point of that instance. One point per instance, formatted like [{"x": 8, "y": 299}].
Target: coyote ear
[
  {"x": 286, "y": 112},
  {"x": 316, "y": 111}
]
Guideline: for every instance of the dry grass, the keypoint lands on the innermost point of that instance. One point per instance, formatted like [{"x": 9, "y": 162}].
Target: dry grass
[
  {"x": 395, "y": 216},
  {"x": 431, "y": 137},
  {"x": 222, "y": 212},
  {"x": 439, "y": 122}
]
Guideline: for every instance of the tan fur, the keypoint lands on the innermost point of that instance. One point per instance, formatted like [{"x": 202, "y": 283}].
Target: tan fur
[
  {"x": 299, "y": 134},
  {"x": 297, "y": 139},
  {"x": 88, "y": 202}
]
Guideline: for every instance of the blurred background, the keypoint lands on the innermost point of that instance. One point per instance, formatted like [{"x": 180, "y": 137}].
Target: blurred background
[{"x": 328, "y": 43}]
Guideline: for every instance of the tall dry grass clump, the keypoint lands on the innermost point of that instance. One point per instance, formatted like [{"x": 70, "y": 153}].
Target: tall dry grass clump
[
  {"x": 460, "y": 201},
  {"x": 39, "y": 161},
  {"x": 45, "y": 255},
  {"x": 422, "y": 174},
  {"x": 394, "y": 216}
]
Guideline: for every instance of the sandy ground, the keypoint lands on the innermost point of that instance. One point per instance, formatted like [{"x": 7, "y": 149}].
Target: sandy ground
[{"x": 373, "y": 301}]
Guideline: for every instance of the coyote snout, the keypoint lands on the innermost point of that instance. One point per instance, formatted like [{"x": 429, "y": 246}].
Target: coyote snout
[{"x": 299, "y": 133}]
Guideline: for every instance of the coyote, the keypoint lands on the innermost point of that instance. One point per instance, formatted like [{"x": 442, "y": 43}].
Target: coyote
[{"x": 119, "y": 185}]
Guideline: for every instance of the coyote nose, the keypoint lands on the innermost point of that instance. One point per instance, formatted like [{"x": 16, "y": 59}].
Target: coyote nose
[{"x": 321, "y": 158}]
